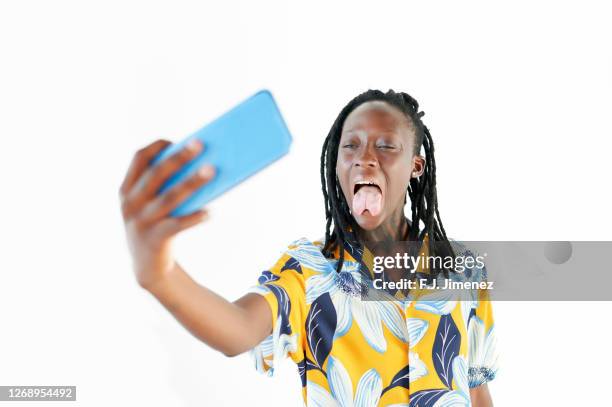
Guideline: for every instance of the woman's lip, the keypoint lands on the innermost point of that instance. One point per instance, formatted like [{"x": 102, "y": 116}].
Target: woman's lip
[{"x": 366, "y": 182}]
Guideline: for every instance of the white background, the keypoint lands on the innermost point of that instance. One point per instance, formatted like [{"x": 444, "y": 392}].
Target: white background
[{"x": 516, "y": 95}]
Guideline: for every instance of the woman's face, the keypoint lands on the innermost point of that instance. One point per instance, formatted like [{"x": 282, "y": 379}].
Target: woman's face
[{"x": 376, "y": 161}]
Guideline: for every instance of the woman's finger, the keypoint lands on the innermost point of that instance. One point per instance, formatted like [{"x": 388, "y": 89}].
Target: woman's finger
[
  {"x": 163, "y": 204},
  {"x": 139, "y": 164},
  {"x": 147, "y": 186}
]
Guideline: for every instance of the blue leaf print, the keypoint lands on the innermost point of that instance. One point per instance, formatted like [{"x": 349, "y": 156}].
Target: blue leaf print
[
  {"x": 355, "y": 250},
  {"x": 304, "y": 366},
  {"x": 284, "y": 307},
  {"x": 311, "y": 366},
  {"x": 267, "y": 277},
  {"x": 320, "y": 328},
  {"x": 401, "y": 378},
  {"x": 445, "y": 348},
  {"x": 302, "y": 371},
  {"x": 292, "y": 264},
  {"x": 385, "y": 279},
  {"x": 426, "y": 398}
]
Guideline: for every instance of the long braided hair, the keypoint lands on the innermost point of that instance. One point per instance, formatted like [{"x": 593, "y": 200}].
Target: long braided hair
[{"x": 422, "y": 191}]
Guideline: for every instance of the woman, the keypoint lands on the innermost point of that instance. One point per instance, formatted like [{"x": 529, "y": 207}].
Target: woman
[{"x": 308, "y": 305}]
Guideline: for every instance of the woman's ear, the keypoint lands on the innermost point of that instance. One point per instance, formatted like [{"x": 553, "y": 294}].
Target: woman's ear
[{"x": 418, "y": 166}]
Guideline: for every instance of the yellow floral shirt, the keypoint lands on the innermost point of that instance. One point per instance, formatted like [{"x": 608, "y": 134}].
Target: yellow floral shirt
[{"x": 349, "y": 352}]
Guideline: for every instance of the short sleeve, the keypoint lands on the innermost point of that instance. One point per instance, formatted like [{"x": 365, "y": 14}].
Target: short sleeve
[
  {"x": 482, "y": 355},
  {"x": 282, "y": 286}
]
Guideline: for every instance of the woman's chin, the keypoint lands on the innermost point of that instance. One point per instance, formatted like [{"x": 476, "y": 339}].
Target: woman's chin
[{"x": 367, "y": 221}]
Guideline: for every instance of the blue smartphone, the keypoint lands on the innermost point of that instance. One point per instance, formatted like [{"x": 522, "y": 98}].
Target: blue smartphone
[{"x": 239, "y": 143}]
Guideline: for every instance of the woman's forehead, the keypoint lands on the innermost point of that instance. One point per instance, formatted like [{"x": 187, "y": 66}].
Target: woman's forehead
[{"x": 376, "y": 115}]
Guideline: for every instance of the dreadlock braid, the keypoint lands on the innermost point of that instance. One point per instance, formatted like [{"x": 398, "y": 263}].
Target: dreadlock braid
[{"x": 422, "y": 191}]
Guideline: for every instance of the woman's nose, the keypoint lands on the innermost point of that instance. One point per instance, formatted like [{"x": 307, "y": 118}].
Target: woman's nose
[{"x": 367, "y": 158}]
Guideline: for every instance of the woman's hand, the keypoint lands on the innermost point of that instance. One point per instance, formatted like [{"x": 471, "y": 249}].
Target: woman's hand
[{"x": 149, "y": 228}]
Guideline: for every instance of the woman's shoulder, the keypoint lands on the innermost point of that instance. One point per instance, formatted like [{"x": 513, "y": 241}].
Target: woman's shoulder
[
  {"x": 461, "y": 248},
  {"x": 308, "y": 253},
  {"x": 458, "y": 246},
  {"x": 306, "y": 240},
  {"x": 306, "y": 243},
  {"x": 473, "y": 267}
]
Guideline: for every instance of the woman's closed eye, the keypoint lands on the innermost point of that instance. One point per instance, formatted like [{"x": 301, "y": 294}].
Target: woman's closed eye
[
  {"x": 386, "y": 146},
  {"x": 349, "y": 145},
  {"x": 380, "y": 146}
]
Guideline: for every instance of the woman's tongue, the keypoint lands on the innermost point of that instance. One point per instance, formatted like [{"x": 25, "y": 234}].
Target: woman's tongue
[{"x": 368, "y": 197}]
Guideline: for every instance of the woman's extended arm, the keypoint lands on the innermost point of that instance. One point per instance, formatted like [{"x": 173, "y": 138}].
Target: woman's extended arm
[{"x": 229, "y": 327}]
